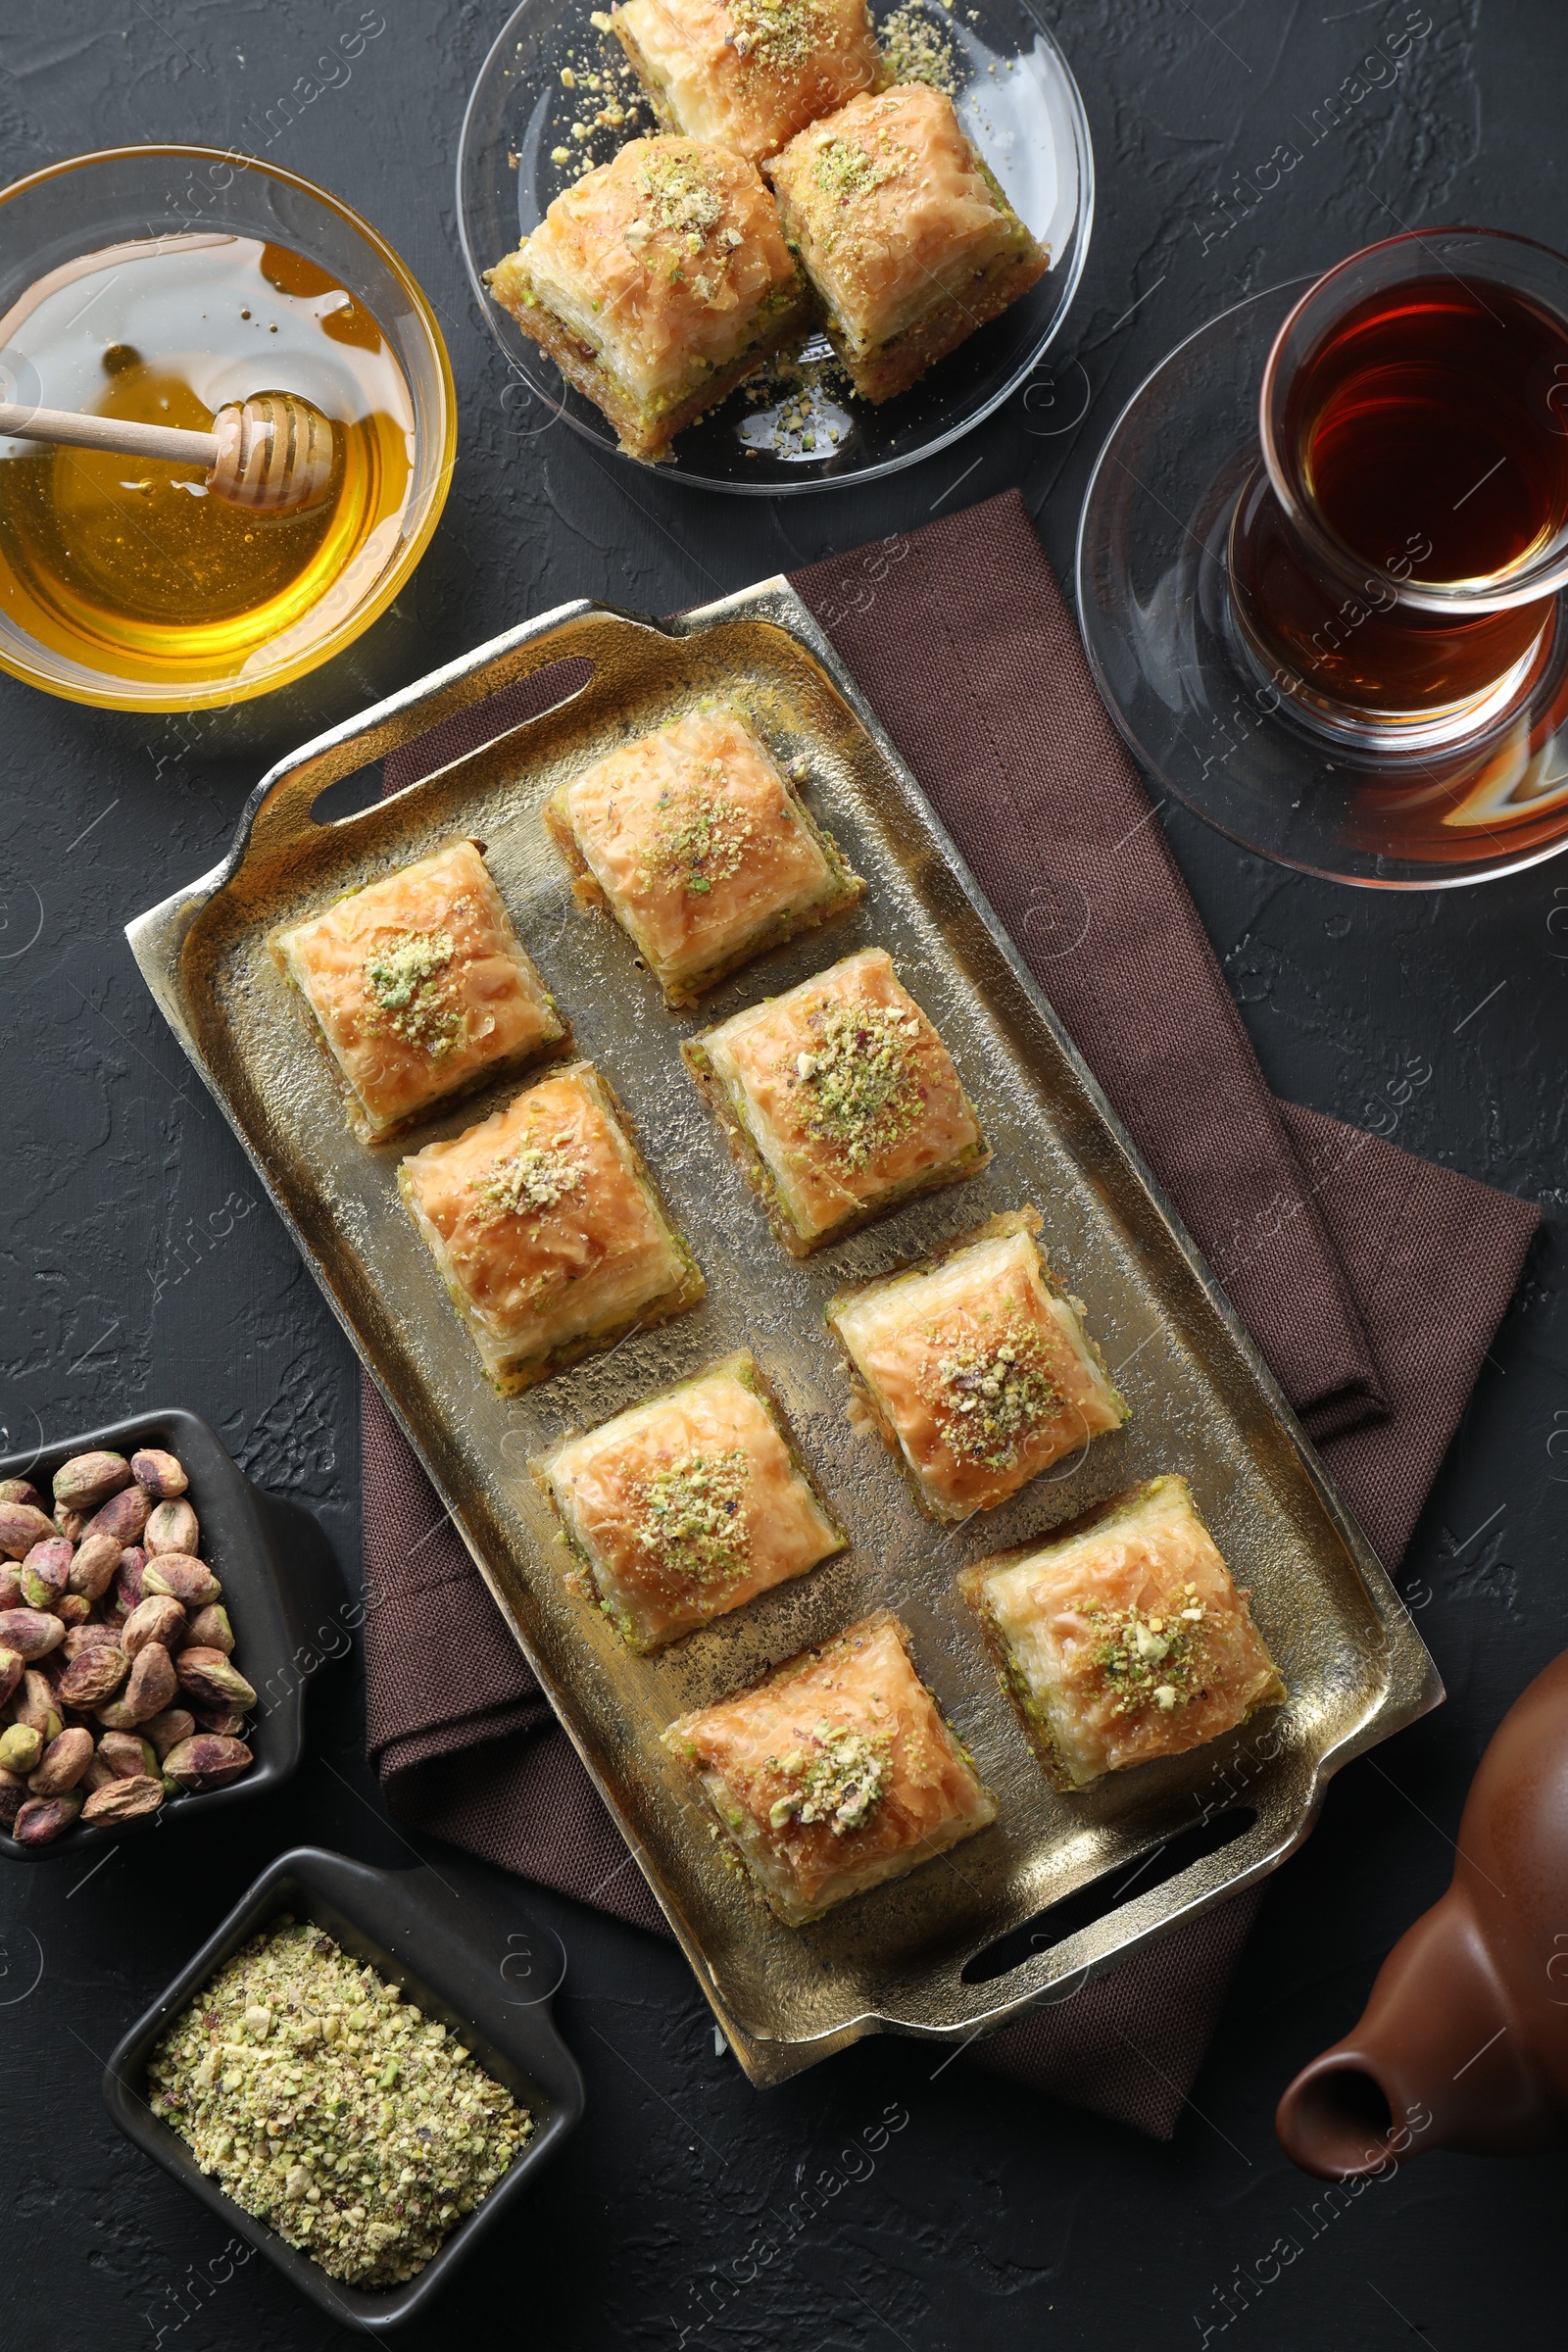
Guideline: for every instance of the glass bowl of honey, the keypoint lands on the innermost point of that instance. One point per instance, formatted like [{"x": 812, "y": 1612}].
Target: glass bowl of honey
[{"x": 162, "y": 284}]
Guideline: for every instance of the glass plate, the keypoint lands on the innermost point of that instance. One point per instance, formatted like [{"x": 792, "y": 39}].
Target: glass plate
[
  {"x": 1215, "y": 733},
  {"x": 1025, "y": 116}
]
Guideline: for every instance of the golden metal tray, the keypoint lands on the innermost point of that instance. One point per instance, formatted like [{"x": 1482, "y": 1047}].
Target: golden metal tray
[{"x": 914, "y": 1956}]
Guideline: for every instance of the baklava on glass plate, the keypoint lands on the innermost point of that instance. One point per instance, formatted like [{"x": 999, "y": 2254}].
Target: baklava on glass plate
[{"x": 556, "y": 91}]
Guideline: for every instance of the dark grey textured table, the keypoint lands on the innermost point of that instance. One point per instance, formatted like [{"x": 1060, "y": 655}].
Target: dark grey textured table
[{"x": 140, "y": 1266}]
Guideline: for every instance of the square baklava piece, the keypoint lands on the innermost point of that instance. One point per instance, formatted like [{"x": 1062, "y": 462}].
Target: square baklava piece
[
  {"x": 1122, "y": 1638},
  {"x": 749, "y": 74},
  {"x": 419, "y": 988},
  {"x": 974, "y": 1368},
  {"x": 835, "y": 1773},
  {"x": 688, "y": 1505},
  {"x": 701, "y": 848},
  {"x": 905, "y": 233},
  {"x": 657, "y": 284},
  {"x": 550, "y": 1236},
  {"x": 838, "y": 1099}
]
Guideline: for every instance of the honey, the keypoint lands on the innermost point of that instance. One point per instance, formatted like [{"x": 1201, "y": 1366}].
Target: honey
[{"x": 132, "y": 567}]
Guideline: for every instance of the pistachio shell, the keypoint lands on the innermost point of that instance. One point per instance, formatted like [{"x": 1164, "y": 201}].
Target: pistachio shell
[
  {"x": 171, "y": 1527},
  {"x": 93, "y": 1677},
  {"x": 207, "y": 1761},
  {"x": 21, "y": 1489},
  {"x": 128, "y": 1754},
  {"x": 187, "y": 1579},
  {"x": 44, "y": 1572},
  {"x": 124, "y": 1800},
  {"x": 92, "y": 1570},
  {"x": 42, "y": 1819},
  {"x": 64, "y": 1761},
  {"x": 161, "y": 1474},
  {"x": 33, "y": 1632},
  {"x": 90, "y": 1479},
  {"x": 123, "y": 1516},
  {"x": 208, "y": 1679},
  {"x": 158, "y": 1617},
  {"x": 22, "y": 1526}
]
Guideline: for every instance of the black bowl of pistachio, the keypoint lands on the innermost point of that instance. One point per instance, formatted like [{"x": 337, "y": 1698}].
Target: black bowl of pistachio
[
  {"x": 353, "y": 2075},
  {"x": 159, "y": 1620}
]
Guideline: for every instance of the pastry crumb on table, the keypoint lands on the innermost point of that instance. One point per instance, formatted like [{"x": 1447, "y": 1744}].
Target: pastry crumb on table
[{"x": 1123, "y": 1637}]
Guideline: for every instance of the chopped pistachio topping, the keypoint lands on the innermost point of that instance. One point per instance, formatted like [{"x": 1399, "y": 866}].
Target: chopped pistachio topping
[
  {"x": 860, "y": 1078},
  {"x": 1150, "y": 1659},
  {"x": 406, "y": 980},
  {"x": 683, "y": 194},
  {"x": 778, "y": 33},
  {"x": 331, "y": 2108},
  {"x": 700, "y": 834},
  {"x": 990, "y": 1397},
  {"x": 533, "y": 1177},
  {"x": 840, "y": 1780},
  {"x": 694, "y": 1517},
  {"x": 844, "y": 168},
  {"x": 917, "y": 50}
]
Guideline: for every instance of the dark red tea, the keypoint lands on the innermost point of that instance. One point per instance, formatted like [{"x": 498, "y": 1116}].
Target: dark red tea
[
  {"x": 1435, "y": 416},
  {"x": 1426, "y": 433}
]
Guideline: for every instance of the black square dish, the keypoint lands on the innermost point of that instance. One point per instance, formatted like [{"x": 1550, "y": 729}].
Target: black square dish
[
  {"x": 451, "y": 1947},
  {"x": 281, "y": 1587}
]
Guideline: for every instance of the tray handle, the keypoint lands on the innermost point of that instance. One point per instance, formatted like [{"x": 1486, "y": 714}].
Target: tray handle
[{"x": 280, "y": 809}]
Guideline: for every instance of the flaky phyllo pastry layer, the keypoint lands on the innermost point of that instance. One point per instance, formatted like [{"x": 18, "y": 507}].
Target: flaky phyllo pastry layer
[{"x": 419, "y": 988}]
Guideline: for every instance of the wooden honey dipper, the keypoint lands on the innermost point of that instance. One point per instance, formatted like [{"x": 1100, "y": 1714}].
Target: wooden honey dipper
[{"x": 272, "y": 454}]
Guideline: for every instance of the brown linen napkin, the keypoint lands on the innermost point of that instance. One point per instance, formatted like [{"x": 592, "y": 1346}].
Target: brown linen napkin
[{"x": 1372, "y": 1282}]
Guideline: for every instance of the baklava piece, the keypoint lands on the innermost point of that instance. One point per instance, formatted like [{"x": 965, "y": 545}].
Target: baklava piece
[
  {"x": 419, "y": 988},
  {"x": 549, "y": 1235},
  {"x": 838, "y": 1099},
  {"x": 975, "y": 1369},
  {"x": 835, "y": 1773},
  {"x": 657, "y": 284},
  {"x": 702, "y": 850},
  {"x": 749, "y": 74},
  {"x": 904, "y": 232},
  {"x": 688, "y": 1505},
  {"x": 1122, "y": 1638}
]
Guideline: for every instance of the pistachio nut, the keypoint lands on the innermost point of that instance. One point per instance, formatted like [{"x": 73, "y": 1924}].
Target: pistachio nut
[
  {"x": 207, "y": 1678},
  {"x": 179, "y": 1574},
  {"x": 123, "y": 1516},
  {"x": 163, "y": 1476},
  {"x": 70, "y": 1523},
  {"x": 12, "y": 1664},
  {"x": 88, "y": 1636},
  {"x": 42, "y": 1819},
  {"x": 20, "y": 1490},
  {"x": 128, "y": 1576},
  {"x": 151, "y": 1687},
  {"x": 171, "y": 1527},
  {"x": 98, "y": 1774},
  {"x": 90, "y": 1479},
  {"x": 128, "y": 1754},
  {"x": 168, "y": 1730},
  {"x": 158, "y": 1617},
  {"x": 44, "y": 1572},
  {"x": 61, "y": 1764},
  {"x": 34, "y": 1702},
  {"x": 22, "y": 1526},
  {"x": 20, "y": 1747},
  {"x": 10, "y": 1585},
  {"x": 92, "y": 1570},
  {"x": 209, "y": 1629},
  {"x": 33, "y": 1632},
  {"x": 124, "y": 1800},
  {"x": 13, "y": 1797},
  {"x": 72, "y": 1610},
  {"x": 92, "y": 1677},
  {"x": 229, "y": 1721},
  {"x": 207, "y": 1761}
]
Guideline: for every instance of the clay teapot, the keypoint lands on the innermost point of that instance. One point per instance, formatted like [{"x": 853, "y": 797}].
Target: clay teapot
[{"x": 1464, "y": 2041}]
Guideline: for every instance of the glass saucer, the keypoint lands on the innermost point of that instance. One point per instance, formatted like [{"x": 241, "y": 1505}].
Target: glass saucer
[
  {"x": 1210, "y": 727},
  {"x": 1016, "y": 99}
]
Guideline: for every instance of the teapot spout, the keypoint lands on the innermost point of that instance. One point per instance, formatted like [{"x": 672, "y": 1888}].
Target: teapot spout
[{"x": 1436, "y": 2061}]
